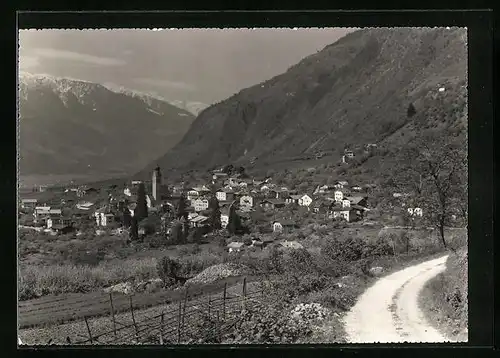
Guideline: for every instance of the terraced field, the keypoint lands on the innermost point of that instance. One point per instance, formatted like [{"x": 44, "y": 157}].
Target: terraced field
[{"x": 64, "y": 308}]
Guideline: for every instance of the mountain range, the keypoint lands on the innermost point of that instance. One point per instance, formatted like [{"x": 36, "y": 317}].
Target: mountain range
[
  {"x": 73, "y": 127},
  {"x": 355, "y": 91}
]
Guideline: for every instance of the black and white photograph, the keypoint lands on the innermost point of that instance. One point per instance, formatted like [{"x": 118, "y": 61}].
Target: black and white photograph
[{"x": 181, "y": 186}]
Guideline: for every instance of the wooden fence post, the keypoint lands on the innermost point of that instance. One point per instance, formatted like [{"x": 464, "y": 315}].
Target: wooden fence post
[
  {"x": 209, "y": 304},
  {"x": 133, "y": 319},
  {"x": 88, "y": 329},
  {"x": 112, "y": 311},
  {"x": 218, "y": 328},
  {"x": 179, "y": 323},
  {"x": 184, "y": 308},
  {"x": 224, "y": 302},
  {"x": 162, "y": 327},
  {"x": 244, "y": 292}
]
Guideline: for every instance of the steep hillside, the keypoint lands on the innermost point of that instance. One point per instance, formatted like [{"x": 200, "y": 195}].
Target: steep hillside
[
  {"x": 353, "y": 92},
  {"x": 74, "y": 127}
]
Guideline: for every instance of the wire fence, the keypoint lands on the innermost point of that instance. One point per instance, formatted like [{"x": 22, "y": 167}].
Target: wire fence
[
  {"x": 70, "y": 307},
  {"x": 205, "y": 317}
]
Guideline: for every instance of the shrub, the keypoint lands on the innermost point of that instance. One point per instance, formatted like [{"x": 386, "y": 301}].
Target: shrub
[
  {"x": 350, "y": 249},
  {"x": 155, "y": 241},
  {"x": 221, "y": 242},
  {"x": 276, "y": 260},
  {"x": 270, "y": 325},
  {"x": 36, "y": 281},
  {"x": 168, "y": 269}
]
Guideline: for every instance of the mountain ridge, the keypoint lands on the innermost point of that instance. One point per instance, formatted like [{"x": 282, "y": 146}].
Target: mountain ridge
[
  {"x": 355, "y": 91},
  {"x": 80, "y": 127}
]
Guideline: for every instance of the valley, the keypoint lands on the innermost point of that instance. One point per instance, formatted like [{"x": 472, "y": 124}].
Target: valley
[{"x": 315, "y": 188}]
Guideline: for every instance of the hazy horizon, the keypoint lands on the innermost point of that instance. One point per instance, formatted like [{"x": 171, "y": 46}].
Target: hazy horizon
[{"x": 202, "y": 65}]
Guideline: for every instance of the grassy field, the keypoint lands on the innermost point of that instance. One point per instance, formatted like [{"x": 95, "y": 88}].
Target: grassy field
[
  {"x": 77, "y": 330},
  {"x": 69, "y": 274}
]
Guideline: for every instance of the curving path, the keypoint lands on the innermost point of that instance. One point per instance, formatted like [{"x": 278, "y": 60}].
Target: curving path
[{"x": 388, "y": 311}]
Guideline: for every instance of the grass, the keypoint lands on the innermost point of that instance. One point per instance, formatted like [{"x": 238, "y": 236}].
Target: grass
[
  {"x": 444, "y": 299},
  {"x": 333, "y": 280},
  {"x": 38, "y": 281}
]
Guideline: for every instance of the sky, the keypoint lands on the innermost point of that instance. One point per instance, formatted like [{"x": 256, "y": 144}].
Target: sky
[{"x": 200, "y": 65}]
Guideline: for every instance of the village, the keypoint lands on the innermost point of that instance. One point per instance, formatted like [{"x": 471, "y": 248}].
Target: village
[{"x": 259, "y": 205}]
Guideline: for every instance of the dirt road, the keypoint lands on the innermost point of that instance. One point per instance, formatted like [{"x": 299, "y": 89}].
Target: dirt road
[{"x": 388, "y": 311}]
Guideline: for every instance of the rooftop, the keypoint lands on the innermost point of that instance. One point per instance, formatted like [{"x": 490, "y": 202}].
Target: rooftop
[
  {"x": 29, "y": 200},
  {"x": 235, "y": 245}
]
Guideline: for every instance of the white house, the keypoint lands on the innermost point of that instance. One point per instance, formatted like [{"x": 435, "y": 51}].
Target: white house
[
  {"x": 293, "y": 199},
  {"x": 246, "y": 201},
  {"x": 265, "y": 188},
  {"x": 338, "y": 195},
  {"x": 346, "y": 203},
  {"x": 277, "y": 227},
  {"x": 107, "y": 219},
  {"x": 198, "y": 221},
  {"x": 28, "y": 203},
  {"x": 200, "y": 204},
  {"x": 305, "y": 200},
  {"x": 342, "y": 213},
  {"x": 224, "y": 220},
  {"x": 291, "y": 245},
  {"x": 127, "y": 192},
  {"x": 356, "y": 188},
  {"x": 235, "y": 246},
  {"x": 415, "y": 211},
  {"x": 41, "y": 211},
  {"x": 243, "y": 184},
  {"x": 225, "y": 195},
  {"x": 192, "y": 194},
  {"x": 84, "y": 206}
]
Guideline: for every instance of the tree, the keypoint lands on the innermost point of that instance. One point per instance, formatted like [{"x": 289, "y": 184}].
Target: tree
[
  {"x": 168, "y": 270},
  {"x": 127, "y": 218},
  {"x": 176, "y": 234},
  {"x": 141, "y": 211},
  {"x": 195, "y": 235},
  {"x": 181, "y": 211},
  {"x": 434, "y": 172},
  {"x": 150, "y": 224},
  {"x": 234, "y": 224},
  {"x": 134, "y": 228},
  {"x": 228, "y": 169},
  {"x": 185, "y": 229},
  {"x": 411, "y": 111},
  {"x": 214, "y": 218},
  {"x": 276, "y": 259}
]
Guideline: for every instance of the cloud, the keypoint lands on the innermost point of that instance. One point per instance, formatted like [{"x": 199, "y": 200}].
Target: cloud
[
  {"x": 26, "y": 62},
  {"x": 166, "y": 83},
  {"x": 76, "y": 56}
]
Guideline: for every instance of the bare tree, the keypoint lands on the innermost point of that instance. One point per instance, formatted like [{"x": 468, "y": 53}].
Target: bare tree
[{"x": 434, "y": 172}]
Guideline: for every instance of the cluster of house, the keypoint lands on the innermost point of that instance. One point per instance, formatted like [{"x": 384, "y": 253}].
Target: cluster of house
[
  {"x": 334, "y": 201},
  {"x": 349, "y": 153},
  {"x": 52, "y": 218}
]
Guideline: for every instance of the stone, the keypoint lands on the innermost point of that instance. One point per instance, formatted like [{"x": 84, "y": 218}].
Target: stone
[{"x": 376, "y": 271}]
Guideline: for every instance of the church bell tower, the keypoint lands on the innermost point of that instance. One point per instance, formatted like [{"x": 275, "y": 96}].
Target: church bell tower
[{"x": 157, "y": 183}]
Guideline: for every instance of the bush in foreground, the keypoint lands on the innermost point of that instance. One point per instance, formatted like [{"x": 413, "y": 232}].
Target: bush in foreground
[{"x": 36, "y": 281}]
